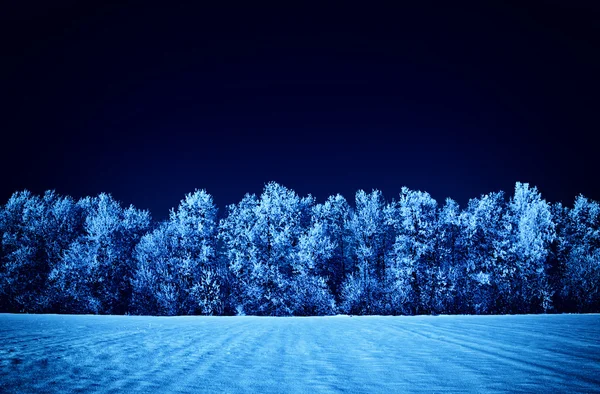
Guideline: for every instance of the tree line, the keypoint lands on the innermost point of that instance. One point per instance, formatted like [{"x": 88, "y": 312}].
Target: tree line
[{"x": 281, "y": 254}]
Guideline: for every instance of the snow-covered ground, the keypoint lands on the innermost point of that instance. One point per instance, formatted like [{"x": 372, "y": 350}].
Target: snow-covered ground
[{"x": 543, "y": 353}]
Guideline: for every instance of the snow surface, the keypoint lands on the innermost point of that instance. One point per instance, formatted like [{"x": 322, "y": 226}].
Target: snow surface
[{"x": 530, "y": 353}]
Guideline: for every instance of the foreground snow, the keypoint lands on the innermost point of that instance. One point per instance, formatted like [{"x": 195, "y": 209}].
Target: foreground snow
[{"x": 544, "y": 353}]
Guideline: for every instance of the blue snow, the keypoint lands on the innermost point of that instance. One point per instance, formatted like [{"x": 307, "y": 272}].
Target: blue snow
[{"x": 135, "y": 354}]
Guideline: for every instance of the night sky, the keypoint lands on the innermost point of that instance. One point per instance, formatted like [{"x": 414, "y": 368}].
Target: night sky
[{"x": 149, "y": 103}]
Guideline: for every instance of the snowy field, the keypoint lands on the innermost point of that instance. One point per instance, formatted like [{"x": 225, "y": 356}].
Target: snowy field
[{"x": 544, "y": 353}]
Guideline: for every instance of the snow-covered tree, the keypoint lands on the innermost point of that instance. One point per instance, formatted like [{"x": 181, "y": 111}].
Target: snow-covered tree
[
  {"x": 334, "y": 218},
  {"x": 413, "y": 263},
  {"x": 532, "y": 233},
  {"x": 558, "y": 256},
  {"x": 449, "y": 254},
  {"x": 262, "y": 238},
  {"x": 23, "y": 266},
  {"x": 177, "y": 267},
  {"x": 581, "y": 246},
  {"x": 488, "y": 274},
  {"x": 95, "y": 273},
  {"x": 361, "y": 292},
  {"x": 311, "y": 295},
  {"x": 35, "y": 233}
]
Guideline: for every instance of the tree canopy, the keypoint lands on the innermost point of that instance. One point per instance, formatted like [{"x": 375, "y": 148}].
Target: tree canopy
[{"x": 281, "y": 254}]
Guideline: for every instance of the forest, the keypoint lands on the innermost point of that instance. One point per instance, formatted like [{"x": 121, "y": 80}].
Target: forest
[{"x": 281, "y": 254}]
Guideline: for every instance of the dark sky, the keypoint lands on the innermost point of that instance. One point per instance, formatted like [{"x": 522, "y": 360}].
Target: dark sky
[{"x": 149, "y": 102}]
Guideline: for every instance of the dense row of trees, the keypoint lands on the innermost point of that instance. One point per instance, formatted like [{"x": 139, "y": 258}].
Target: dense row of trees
[{"x": 281, "y": 254}]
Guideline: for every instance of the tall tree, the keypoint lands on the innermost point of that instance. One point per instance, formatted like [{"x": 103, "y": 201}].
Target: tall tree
[
  {"x": 361, "y": 292},
  {"x": 533, "y": 232},
  {"x": 414, "y": 258},
  {"x": 95, "y": 273},
  {"x": 558, "y": 256},
  {"x": 488, "y": 274},
  {"x": 23, "y": 267},
  {"x": 35, "y": 233},
  {"x": 177, "y": 266},
  {"x": 449, "y": 253},
  {"x": 262, "y": 238},
  {"x": 334, "y": 218},
  {"x": 581, "y": 244},
  {"x": 311, "y": 295}
]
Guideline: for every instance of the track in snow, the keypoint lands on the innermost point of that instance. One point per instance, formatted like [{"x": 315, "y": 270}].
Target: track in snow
[{"x": 531, "y": 353}]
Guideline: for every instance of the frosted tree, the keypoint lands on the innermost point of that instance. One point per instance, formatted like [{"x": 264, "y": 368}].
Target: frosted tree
[
  {"x": 488, "y": 274},
  {"x": 262, "y": 237},
  {"x": 95, "y": 273},
  {"x": 311, "y": 295},
  {"x": 334, "y": 218},
  {"x": 195, "y": 225},
  {"x": 22, "y": 267},
  {"x": 413, "y": 264},
  {"x": 157, "y": 288},
  {"x": 361, "y": 293},
  {"x": 558, "y": 256},
  {"x": 35, "y": 233},
  {"x": 532, "y": 233},
  {"x": 177, "y": 267},
  {"x": 236, "y": 231},
  {"x": 450, "y": 253},
  {"x": 581, "y": 245}
]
